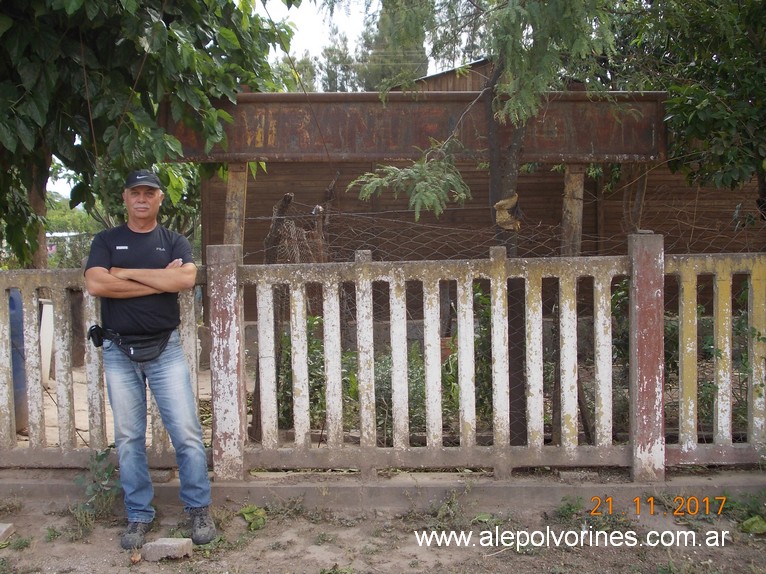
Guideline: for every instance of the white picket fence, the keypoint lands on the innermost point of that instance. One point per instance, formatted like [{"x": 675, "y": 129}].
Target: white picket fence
[{"x": 553, "y": 443}]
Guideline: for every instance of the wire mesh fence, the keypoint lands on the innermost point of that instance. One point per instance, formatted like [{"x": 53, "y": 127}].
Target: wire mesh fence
[{"x": 311, "y": 235}]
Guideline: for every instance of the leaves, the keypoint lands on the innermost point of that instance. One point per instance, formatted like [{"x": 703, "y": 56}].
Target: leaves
[
  {"x": 429, "y": 183},
  {"x": 709, "y": 57},
  {"x": 255, "y": 516},
  {"x": 754, "y": 525},
  {"x": 90, "y": 82}
]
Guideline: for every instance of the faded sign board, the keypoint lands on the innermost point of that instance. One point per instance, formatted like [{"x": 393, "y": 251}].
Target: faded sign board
[{"x": 572, "y": 127}]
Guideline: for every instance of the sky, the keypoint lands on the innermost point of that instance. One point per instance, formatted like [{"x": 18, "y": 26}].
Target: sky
[{"x": 312, "y": 25}]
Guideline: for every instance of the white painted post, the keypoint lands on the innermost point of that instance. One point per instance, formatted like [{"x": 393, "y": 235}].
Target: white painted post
[
  {"x": 499, "y": 316},
  {"x": 332, "y": 363},
  {"x": 267, "y": 367},
  {"x": 7, "y": 423},
  {"x": 94, "y": 380},
  {"x": 534, "y": 334},
  {"x": 398, "y": 334},
  {"x": 299, "y": 358},
  {"x": 602, "y": 337},
  {"x": 227, "y": 361},
  {"x": 61, "y": 342},
  {"x": 757, "y": 354},
  {"x": 568, "y": 360},
  {"x": 722, "y": 334},
  {"x": 37, "y": 438},
  {"x": 365, "y": 348},
  {"x": 432, "y": 350},
  {"x": 687, "y": 358},
  {"x": 466, "y": 362}
]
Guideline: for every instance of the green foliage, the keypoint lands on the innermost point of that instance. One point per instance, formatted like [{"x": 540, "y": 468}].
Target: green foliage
[
  {"x": 542, "y": 44},
  {"x": 18, "y": 222},
  {"x": 709, "y": 57},
  {"x": 569, "y": 511},
  {"x": 392, "y": 50},
  {"x": 20, "y": 543},
  {"x": 97, "y": 83},
  {"x": 255, "y": 516},
  {"x": 430, "y": 182},
  {"x": 317, "y": 379},
  {"x": 51, "y": 534},
  {"x": 336, "y": 66},
  {"x": 101, "y": 485},
  {"x": 482, "y": 366},
  {"x": 621, "y": 329},
  {"x": 384, "y": 394}
]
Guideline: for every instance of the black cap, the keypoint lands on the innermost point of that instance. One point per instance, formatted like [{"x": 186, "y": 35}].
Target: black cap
[{"x": 143, "y": 177}]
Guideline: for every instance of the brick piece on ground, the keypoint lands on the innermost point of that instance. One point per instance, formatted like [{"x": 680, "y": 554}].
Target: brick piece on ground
[
  {"x": 167, "y": 548},
  {"x": 6, "y": 530}
]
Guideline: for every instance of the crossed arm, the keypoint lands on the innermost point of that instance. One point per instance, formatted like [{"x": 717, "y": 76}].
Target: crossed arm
[{"x": 120, "y": 283}]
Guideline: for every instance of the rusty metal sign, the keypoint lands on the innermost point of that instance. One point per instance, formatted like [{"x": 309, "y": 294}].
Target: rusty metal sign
[{"x": 572, "y": 127}]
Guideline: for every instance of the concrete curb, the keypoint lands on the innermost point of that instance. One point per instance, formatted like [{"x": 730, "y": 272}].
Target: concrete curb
[{"x": 413, "y": 491}]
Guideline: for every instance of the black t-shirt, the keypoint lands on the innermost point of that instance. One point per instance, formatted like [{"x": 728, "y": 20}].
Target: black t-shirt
[{"x": 121, "y": 247}]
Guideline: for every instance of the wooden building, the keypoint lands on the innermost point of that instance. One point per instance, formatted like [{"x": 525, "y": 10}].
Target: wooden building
[{"x": 645, "y": 196}]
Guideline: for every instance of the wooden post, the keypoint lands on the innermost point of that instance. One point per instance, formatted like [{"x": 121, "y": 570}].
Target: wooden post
[
  {"x": 647, "y": 356},
  {"x": 571, "y": 211},
  {"x": 571, "y": 246},
  {"x": 236, "y": 203},
  {"x": 227, "y": 361}
]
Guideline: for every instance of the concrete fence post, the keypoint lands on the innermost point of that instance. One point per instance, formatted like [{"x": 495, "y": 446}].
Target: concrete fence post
[
  {"x": 647, "y": 356},
  {"x": 227, "y": 361}
]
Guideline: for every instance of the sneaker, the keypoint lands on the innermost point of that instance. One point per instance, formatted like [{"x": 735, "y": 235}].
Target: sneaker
[
  {"x": 133, "y": 537},
  {"x": 203, "y": 527}
]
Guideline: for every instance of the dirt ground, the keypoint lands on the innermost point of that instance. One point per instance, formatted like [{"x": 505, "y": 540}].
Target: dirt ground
[{"x": 296, "y": 539}]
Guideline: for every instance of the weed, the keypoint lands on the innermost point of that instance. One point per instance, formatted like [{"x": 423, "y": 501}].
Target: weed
[
  {"x": 222, "y": 515},
  {"x": 219, "y": 543},
  {"x": 610, "y": 522},
  {"x": 5, "y": 567},
  {"x": 20, "y": 543},
  {"x": 10, "y": 506},
  {"x": 336, "y": 570},
  {"x": 100, "y": 484},
  {"x": 489, "y": 520},
  {"x": 255, "y": 516},
  {"x": 51, "y": 534},
  {"x": 84, "y": 521},
  {"x": 324, "y": 538},
  {"x": 291, "y": 508},
  {"x": 569, "y": 510}
]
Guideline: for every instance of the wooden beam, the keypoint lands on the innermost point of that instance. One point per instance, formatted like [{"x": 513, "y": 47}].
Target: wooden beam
[{"x": 572, "y": 127}]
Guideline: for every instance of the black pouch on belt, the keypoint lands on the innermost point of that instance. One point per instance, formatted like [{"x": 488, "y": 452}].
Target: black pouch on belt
[{"x": 141, "y": 348}]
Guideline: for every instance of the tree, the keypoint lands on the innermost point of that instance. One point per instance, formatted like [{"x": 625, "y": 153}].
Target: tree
[
  {"x": 93, "y": 83},
  {"x": 536, "y": 46},
  {"x": 709, "y": 57},
  {"x": 296, "y": 74},
  {"x": 337, "y": 67},
  {"x": 393, "y": 50}
]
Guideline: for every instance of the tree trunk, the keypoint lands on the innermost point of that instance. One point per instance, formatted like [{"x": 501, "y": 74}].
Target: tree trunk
[
  {"x": 37, "y": 195},
  {"x": 503, "y": 176}
]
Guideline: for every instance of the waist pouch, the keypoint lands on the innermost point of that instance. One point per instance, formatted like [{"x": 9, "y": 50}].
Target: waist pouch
[{"x": 140, "y": 348}]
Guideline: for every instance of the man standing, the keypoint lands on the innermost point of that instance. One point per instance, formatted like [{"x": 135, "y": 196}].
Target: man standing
[{"x": 138, "y": 270}]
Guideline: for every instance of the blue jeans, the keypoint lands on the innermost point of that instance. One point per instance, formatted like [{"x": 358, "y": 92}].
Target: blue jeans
[{"x": 169, "y": 380}]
